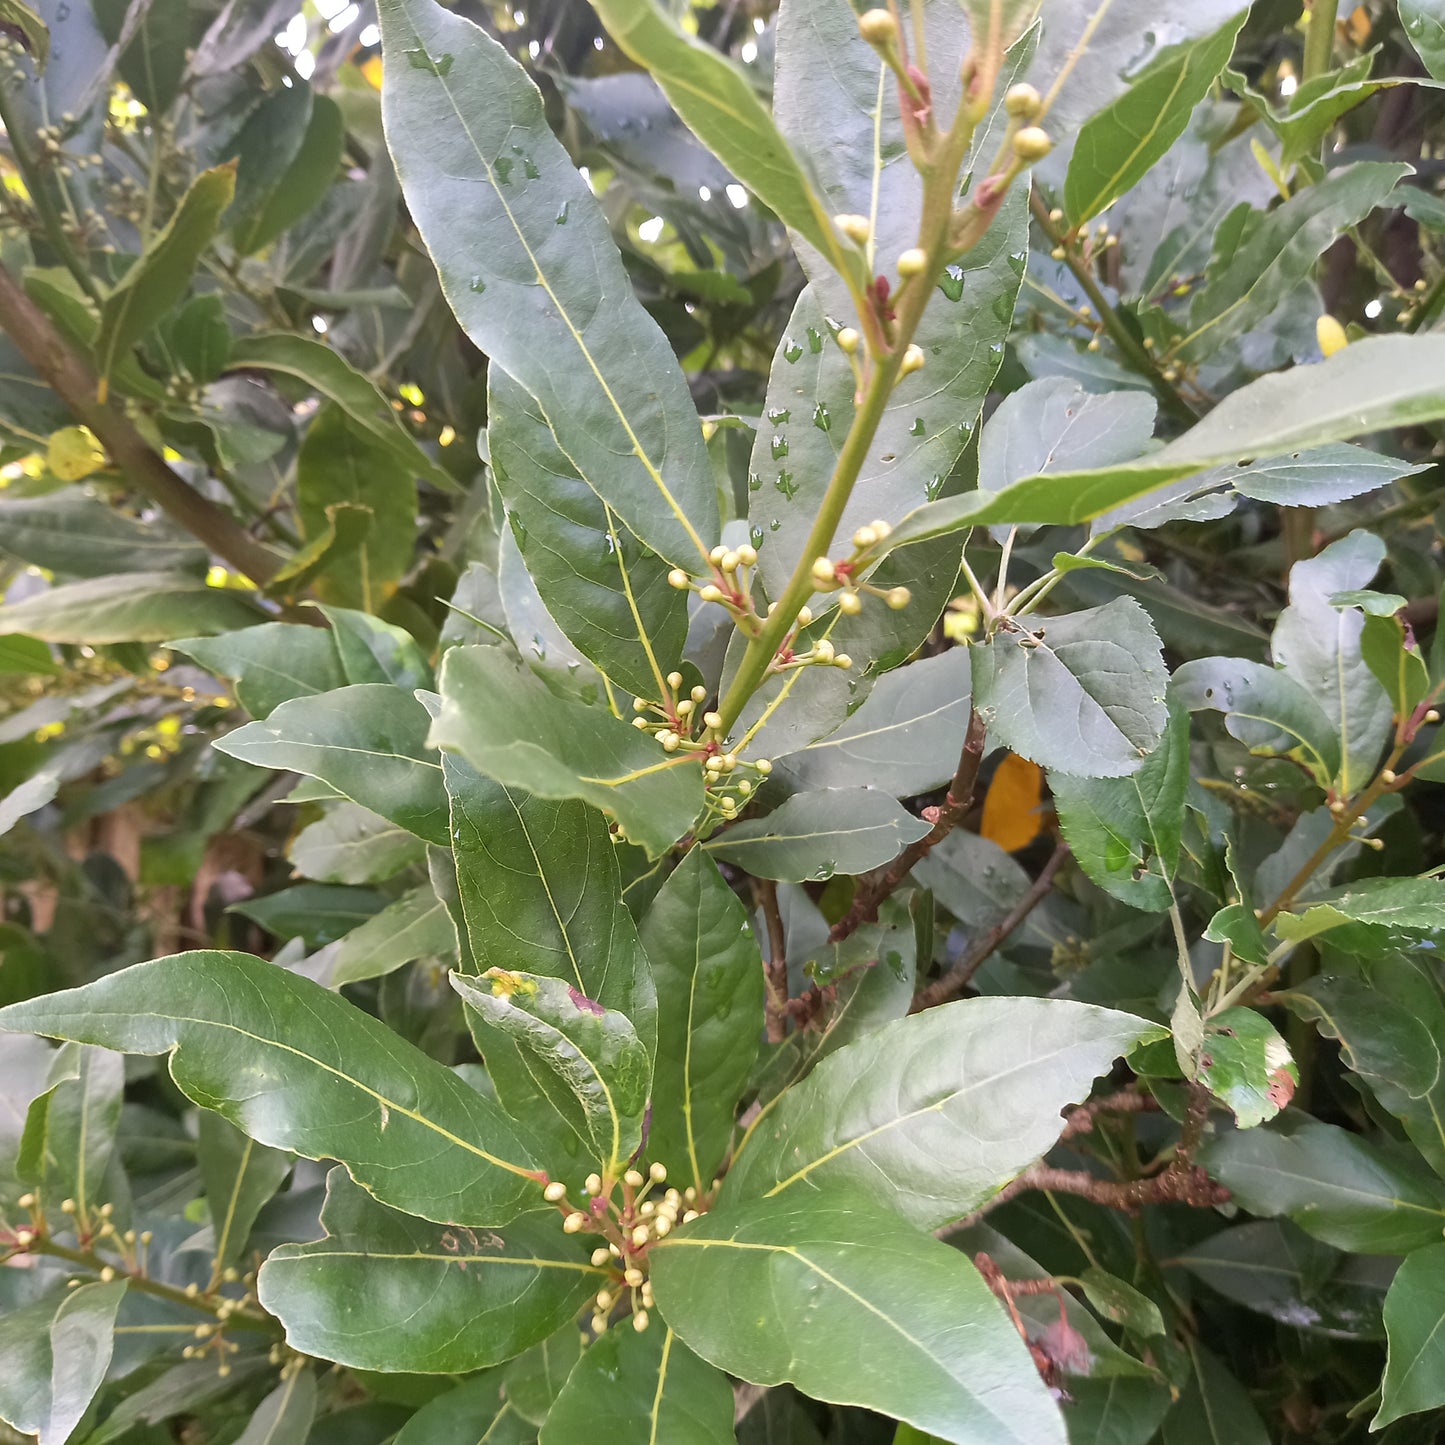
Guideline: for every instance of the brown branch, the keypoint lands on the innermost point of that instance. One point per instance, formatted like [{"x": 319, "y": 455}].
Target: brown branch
[
  {"x": 1127, "y": 1101},
  {"x": 959, "y": 799},
  {"x": 775, "y": 970},
  {"x": 961, "y": 974},
  {"x": 72, "y": 380}
]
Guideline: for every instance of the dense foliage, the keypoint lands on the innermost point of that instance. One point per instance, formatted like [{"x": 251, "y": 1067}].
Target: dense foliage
[{"x": 717, "y": 722}]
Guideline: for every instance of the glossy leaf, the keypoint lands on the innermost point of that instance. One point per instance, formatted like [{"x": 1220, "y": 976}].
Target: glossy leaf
[
  {"x": 351, "y": 844},
  {"x": 129, "y": 607},
  {"x": 1081, "y": 693},
  {"x": 509, "y": 727},
  {"x": 368, "y": 741},
  {"x": 791, "y": 1290},
  {"x": 1425, "y": 25},
  {"x": 1213, "y": 1409},
  {"x": 608, "y": 594},
  {"x": 303, "y": 183},
  {"x": 317, "y": 913},
  {"x": 931, "y": 1115},
  {"x": 159, "y": 280},
  {"x": 416, "y": 926},
  {"x": 1398, "y": 666},
  {"x": 56, "y": 1353},
  {"x": 239, "y": 1176},
  {"x": 269, "y": 664},
  {"x": 648, "y": 1386},
  {"x": 1119, "y": 144},
  {"x": 340, "y": 1084},
  {"x": 550, "y": 304},
  {"x": 375, "y": 651},
  {"x": 1369, "y": 912},
  {"x": 477, "y": 1410},
  {"x": 1333, "y": 1184},
  {"x": 1125, "y": 832},
  {"x": 468, "y": 1298},
  {"x": 587, "y": 1059},
  {"x": 709, "y": 977},
  {"x": 285, "y": 1416},
  {"x": 1246, "y": 1064},
  {"x": 534, "y": 1379},
  {"x": 1389, "y": 1018},
  {"x": 69, "y": 1142},
  {"x": 26, "y": 655},
  {"x": 1120, "y": 1302},
  {"x": 74, "y": 534},
  {"x": 1415, "y": 1326},
  {"x": 820, "y": 834}
]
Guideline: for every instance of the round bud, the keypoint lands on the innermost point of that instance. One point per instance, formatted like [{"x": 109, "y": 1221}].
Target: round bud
[
  {"x": 678, "y": 578},
  {"x": 604, "y": 1298},
  {"x": 710, "y": 593},
  {"x": 1389, "y": 777},
  {"x": 640, "y": 704},
  {"x": 662, "y": 1225},
  {"x": 649, "y": 1207},
  {"x": 670, "y": 742},
  {"x": 763, "y": 766},
  {"x": 855, "y": 228},
  {"x": 698, "y": 694},
  {"x": 689, "y": 1216},
  {"x": 848, "y": 338},
  {"x": 729, "y": 562},
  {"x": 674, "y": 680},
  {"x": 805, "y": 616},
  {"x": 747, "y": 555},
  {"x": 639, "y": 1321},
  {"x": 633, "y": 1276},
  {"x": 640, "y": 723},
  {"x": 1022, "y": 102},
  {"x": 657, "y": 1173},
  {"x": 67, "y": 1206},
  {"x": 1433, "y": 716},
  {"x": 574, "y": 1223},
  {"x": 823, "y": 650},
  {"x": 1032, "y": 143},
  {"x": 913, "y": 262},
  {"x": 850, "y": 604},
  {"x": 600, "y": 1257},
  {"x": 843, "y": 660},
  {"x": 717, "y": 553},
  {"x": 729, "y": 762},
  {"x": 684, "y": 707},
  {"x": 555, "y": 1192},
  {"x": 823, "y": 572},
  {"x": 913, "y": 360},
  {"x": 599, "y": 1324},
  {"x": 640, "y": 1236},
  {"x": 898, "y": 598},
  {"x": 593, "y": 1184},
  {"x": 882, "y": 528},
  {"x": 632, "y": 1179},
  {"x": 712, "y": 719},
  {"x": 865, "y": 537},
  {"x": 714, "y": 764},
  {"x": 24, "y": 1237},
  {"x": 878, "y": 27},
  {"x": 745, "y": 788}
]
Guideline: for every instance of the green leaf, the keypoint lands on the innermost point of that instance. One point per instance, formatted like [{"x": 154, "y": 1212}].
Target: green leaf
[
  {"x": 337, "y": 1083},
  {"x": 540, "y": 888},
  {"x": 1425, "y": 25},
  {"x": 416, "y": 926},
  {"x": 1318, "y": 477},
  {"x": 549, "y": 303},
  {"x": 159, "y": 280},
  {"x": 1246, "y": 1065},
  {"x": 475, "y": 1412},
  {"x": 587, "y": 1059},
  {"x": 1333, "y": 1184},
  {"x": 1374, "y": 911},
  {"x": 1213, "y": 1409},
  {"x": 269, "y": 664},
  {"x": 28, "y": 656},
  {"x": 1316, "y": 641},
  {"x": 1392, "y": 656},
  {"x": 1415, "y": 1326},
  {"x": 73, "y": 533},
  {"x": 69, "y": 1142},
  {"x": 1277, "y": 1270},
  {"x": 1122, "y": 1303},
  {"x": 469, "y": 1298},
  {"x": 154, "y": 60},
  {"x": 932, "y": 1114},
  {"x": 56, "y": 1353},
  {"x": 1125, "y": 832},
  {"x": 1389, "y": 1017},
  {"x": 317, "y": 913},
  {"x": 239, "y": 1176},
  {"x": 608, "y": 595},
  {"x": 719, "y": 103},
  {"x": 200, "y": 338},
  {"x": 1120, "y": 143},
  {"x": 1267, "y": 710},
  {"x": 264, "y": 148},
  {"x": 1281, "y": 252},
  {"x": 37, "y": 38},
  {"x": 339, "y": 463},
  {"x": 350, "y": 844},
  {"x": 508, "y": 726},
  {"x": 817, "y": 835},
  {"x": 1117, "y": 1410},
  {"x": 904, "y": 739},
  {"x": 285, "y": 1416},
  {"x": 648, "y": 1386},
  {"x": 709, "y": 977},
  {"x": 534, "y": 1380},
  {"x": 368, "y": 741},
  {"x": 325, "y": 371},
  {"x": 1082, "y": 693},
  {"x": 129, "y": 607},
  {"x": 301, "y": 186},
  {"x": 374, "y": 651},
  {"x": 792, "y": 1290}
]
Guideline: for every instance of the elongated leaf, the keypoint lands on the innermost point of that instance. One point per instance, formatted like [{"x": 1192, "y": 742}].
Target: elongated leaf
[
  {"x": 159, "y": 280},
  {"x": 1415, "y": 1325},
  {"x": 374, "y": 651},
  {"x": 269, "y": 664},
  {"x": 317, "y": 913},
  {"x": 608, "y": 595},
  {"x": 239, "y": 1175},
  {"x": 1425, "y": 25},
  {"x": 1370, "y": 912},
  {"x": 1119, "y": 144},
  {"x": 507, "y": 725},
  {"x": 1125, "y": 832},
  {"x": 417, "y": 925},
  {"x": 1390, "y": 1021},
  {"x": 540, "y": 889},
  {"x": 534, "y": 1380},
  {"x": 130, "y": 607},
  {"x": 478, "y": 1410},
  {"x": 1318, "y": 477},
  {"x": 367, "y": 741},
  {"x": 285, "y": 1416},
  {"x": 76, "y": 534},
  {"x": 1082, "y": 694},
  {"x": 549, "y": 303},
  {"x": 1214, "y": 1408},
  {"x": 931, "y": 1115},
  {"x": 69, "y": 1141},
  {"x": 1333, "y": 1184},
  {"x": 1246, "y": 1064},
  {"x": 56, "y": 1352},
  {"x": 709, "y": 977},
  {"x": 589, "y": 1059},
  {"x": 648, "y": 1386},
  {"x": 236, "y": 33},
  {"x": 469, "y": 1298},
  {"x": 817, "y": 835},
  {"x": 350, "y": 844},
  {"x": 299, "y": 188},
  {"x": 791, "y": 1290},
  {"x": 26, "y": 655},
  {"x": 337, "y": 1083}
]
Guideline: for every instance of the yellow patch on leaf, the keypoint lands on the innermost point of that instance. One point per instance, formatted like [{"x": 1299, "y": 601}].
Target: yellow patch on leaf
[
  {"x": 73, "y": 453},
  {"x": 1013, "y": 813}
]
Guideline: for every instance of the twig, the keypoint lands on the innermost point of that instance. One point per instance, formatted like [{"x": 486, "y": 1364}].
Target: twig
[
  {"x": 1127, "y": 1101},
  {"x": 775, "y": 970},
  {"x": 959, "y": 799},
  {"x": 961, "y": 974},
  {"x": 73, "y": 381}
]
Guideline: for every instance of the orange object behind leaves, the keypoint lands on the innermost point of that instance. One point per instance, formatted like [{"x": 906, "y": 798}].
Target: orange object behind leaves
[{"x": 1013, "y": 813}]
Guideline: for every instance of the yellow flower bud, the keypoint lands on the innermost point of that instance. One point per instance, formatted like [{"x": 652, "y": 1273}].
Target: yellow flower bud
[
  {"x": 662, "y": 1225},
  {"x": 843, "y": 660},
  {"x": 600, "y": 1257},
  {"x": 710, "y": 593},
  {"x": 640, "y": 704},
  {"x": 555, "y": 1192},
  {"x": 640, "y": 1236},
  {"x": 674, "y": 680},
  {"x": 913, "y": 360},
  {"x": 1330, "y": 335},
  {"x": 593, "y": 1184},
  {"x": 882, "y": 528},
  {"x": 698, "y": 694},
  {"x": 729, "y": 562},
  {"x": 690, "y": 1216},
  {"x": 805, "y": 616},
  {"x": 898, "y": 598},
  {"x": 657, "y": 1173},
  {"x": 849, "y": 339},
  {"x": 865, "y": 537},
  {"x": 717, "y": 553},
  {"x": 604, "y": 1300},
  {"x": 633, "y": 1276},
  {"x": 855, "y": 228},
  {"x": 763, "y": 766},
  {"x": 632, "y": 1179},
  {"x": 711, "y": 720},
  {"x": 823, "y": 650},
  {"x": 850, "y": 604},
  {"x": 1032, "y": 144},
  {"x": 640, "y": 723},
  {"x": 747, "y": 555},
  {"x": 678, "y": 578},
  {"x": 1022, "y": 102},
  {"x": 912, "y": 262},
  {"x": 639, "y": 1321},
  {"x": 574, "y": 1223},
  {"x": 823, "y": 572},
  {"x": 878, "y": 27}
]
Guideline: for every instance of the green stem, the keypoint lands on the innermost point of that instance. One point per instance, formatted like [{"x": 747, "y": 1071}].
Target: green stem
[{"x": 1320, "y": 38}]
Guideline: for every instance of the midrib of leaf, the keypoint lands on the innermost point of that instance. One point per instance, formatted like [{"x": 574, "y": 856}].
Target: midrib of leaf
[
  {"x": 497, "y": 1420},
  {"x": 1075, "y": 55},
  {"x": 889, "y": 827},
  {"x": 80, "y": 1185},
  {"x": 661, "y": 1385},
  {"x": 223, "y": 1237},
  {"x": 637, "y": 448},
  {"x": 546, "y": 883},
  {"x": 901, "y": 725},
  {"x": 635, "y": 774},
  {"x": 632, "y": 607},
  {"x": 500, "y": 1261},
  {"x": 697, "y": 1178},
  {"x": 275, "y": 1424},
  {"x": 360, "y": 752},
  {"x": 1304, "y": 742}
]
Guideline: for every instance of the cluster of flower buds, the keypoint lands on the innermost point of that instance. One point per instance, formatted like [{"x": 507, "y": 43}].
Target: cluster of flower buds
[
  {"x": 645, "y": 1214},
  {"x": 728, "y": 584},
  {"x": 842, "y": 576}
]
